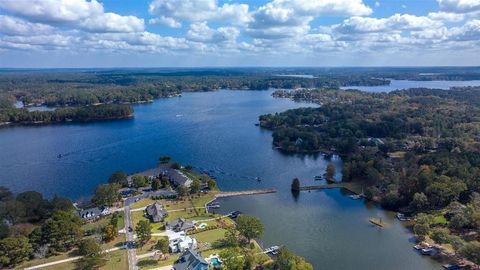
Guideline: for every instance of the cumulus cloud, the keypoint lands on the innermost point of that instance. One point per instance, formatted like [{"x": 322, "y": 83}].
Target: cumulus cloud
[
  {"x": 201, "y": 32},
  {"x": 459, "y": 6},
  {"x": 15, "y": 26},
  {"x": 287, "y": 18},
  {"x": 174, "y": 12},
  {"x": 89, "y": 15},
  {"x": 397, "y": 22}
]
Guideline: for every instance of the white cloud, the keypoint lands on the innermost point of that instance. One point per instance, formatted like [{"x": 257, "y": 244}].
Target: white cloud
[
  {"x": 397, "y": 22},
  {"x": 87, "y": 15},
  {"x": 459, "y": 6},
  {"x": 15, "y": 26},
  {"x": 200, "y": 32},
  {"x": 287, "y": 18},
  {"x": 169, "y": 11},
  {"x": 167, "y": 21},
  {"x": 446, "y": 16}
]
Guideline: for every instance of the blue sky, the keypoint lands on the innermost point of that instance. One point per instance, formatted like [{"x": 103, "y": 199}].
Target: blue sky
[{"x": 162, "y": 33}]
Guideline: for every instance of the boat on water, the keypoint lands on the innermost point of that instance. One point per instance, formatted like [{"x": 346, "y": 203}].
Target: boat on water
[
  {"x": 258, "y": 179},
  {"x": 59, "y": 156},
  {"x": 403, "y": 217},
  {"x": 355, "y": 197},
  {"x": 318, "y": 177},
  {"x": 428, "y": 251}
]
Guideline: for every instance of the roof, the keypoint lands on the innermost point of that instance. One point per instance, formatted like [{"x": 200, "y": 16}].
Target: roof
[
  {"x": 156, "y": 212},
  {"x": 190, "y": 260},
  {"x": 92, "y": 212},
  {"x": 180, "y": 224},
  {"x": 175, "y": 176}
]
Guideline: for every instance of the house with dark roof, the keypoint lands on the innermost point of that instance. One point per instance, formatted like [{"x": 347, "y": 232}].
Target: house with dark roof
[
  {"x": 176, "y": 177},
  {"x": 155, "y": 212},
  {"x": 93, "y": 213},
  {"x": 190, "y": 260},
  {"x": 180, "y": 224}
]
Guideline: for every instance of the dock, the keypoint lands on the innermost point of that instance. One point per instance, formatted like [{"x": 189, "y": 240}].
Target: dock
[
  {"x": 245, "y": 193},
  {"x": 352, "y": 187}
]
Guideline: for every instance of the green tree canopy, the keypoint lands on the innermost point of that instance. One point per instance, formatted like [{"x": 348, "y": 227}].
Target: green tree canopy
[{"x": 249, "y": 227}]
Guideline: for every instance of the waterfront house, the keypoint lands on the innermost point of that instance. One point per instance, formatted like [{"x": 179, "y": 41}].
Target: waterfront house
[
  {"x": 190, "y": 260},
  {"x": 155, "y": 212},
  {"x": 179, "y": 242},
  {"x": 180, "y": 224},
  {"x": 91, "y": 214}
]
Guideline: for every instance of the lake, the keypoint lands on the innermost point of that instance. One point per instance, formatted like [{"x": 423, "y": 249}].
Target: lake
[
  {"x": 405, "y": 84},
  {"x": 215, "y": 131}
]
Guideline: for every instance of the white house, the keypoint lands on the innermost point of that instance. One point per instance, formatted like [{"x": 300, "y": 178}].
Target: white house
[{"x": 179, "y": 242}]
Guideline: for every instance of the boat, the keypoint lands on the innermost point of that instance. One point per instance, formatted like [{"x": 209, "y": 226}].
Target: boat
[
  {"x": 403, "y": 217},
  {"x": 452, "y": 266},
  {"x": 258, "y": 179},
  {"x": 318, "y": 177},
  {"x": 355, "y": 197},
  {"x": 59, "y": 156},
  {"x": 428, "y": 251}
]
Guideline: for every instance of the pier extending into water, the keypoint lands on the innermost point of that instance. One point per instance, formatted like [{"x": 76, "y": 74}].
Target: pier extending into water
[
  {"x": 351, "y": 186},
  {"x": 244, "y": 193}
]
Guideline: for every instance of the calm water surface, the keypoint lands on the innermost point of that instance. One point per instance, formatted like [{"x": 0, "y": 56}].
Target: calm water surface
[
  {"x": 214, "y": 131},
  {"x": 405, "y": 84}
]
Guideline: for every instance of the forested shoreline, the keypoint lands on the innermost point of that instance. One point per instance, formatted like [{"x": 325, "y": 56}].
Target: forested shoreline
[{"x": 416, "y": 150}]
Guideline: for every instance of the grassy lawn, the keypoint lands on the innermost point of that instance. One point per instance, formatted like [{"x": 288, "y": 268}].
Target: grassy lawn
[
  {"x": 47, "y": 260},
  {"x": 99, "y": 224},
  {"x": 136, "y": 217},
  {"x": 209, "y": 236},
  {"x": 142, "y": 203},
  {"x": 202, "y": 199},
  {"x": 149, "y": 263},
  {"x": 440, "y": 220},
  {"x": 116, "y": 260},
  {"x": 117, "y": 242},
  {"x": 148, "y": 247},
  {"x": 176, "y": 204}
]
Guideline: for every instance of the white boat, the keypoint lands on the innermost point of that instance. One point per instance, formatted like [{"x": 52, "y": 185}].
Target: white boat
[{"x": 355, "y": 197}]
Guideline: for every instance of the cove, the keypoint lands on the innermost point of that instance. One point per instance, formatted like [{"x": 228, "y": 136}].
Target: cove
[
  {"x": 405, "y": 84},
  {"x": 214, "y": 131}
]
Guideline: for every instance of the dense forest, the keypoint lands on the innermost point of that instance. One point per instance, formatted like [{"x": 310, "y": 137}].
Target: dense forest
[
  {"x": 67, "y": 114},
  {"x": 415, "y": 150}
]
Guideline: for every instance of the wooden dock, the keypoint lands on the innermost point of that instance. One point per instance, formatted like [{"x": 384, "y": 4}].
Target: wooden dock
[
  {"x": 244, "y": 193},
  {"x": 352, "y": 187}
]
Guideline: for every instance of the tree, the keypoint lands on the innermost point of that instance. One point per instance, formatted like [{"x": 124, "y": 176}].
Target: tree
[
  {"x": 195, "y": 186},
  {"x": 419, "y": 201},
  {"x": 110, "y": 232},
  {"x": 188, "y": 167},
  {"x": 295, "y": 185},
  {"x": 211, "y": 183},
  {"x": 182, "y": 191},
  {"x": 139, "y": 181},
  {"x": 232, "y": 259},
  {"x": 61, "y": 231},
  {"x": 176, "y": 166},
  {"x": 14, "y": 250},
  {"x": 471, "y": 251},
  {"x": 5, "y": 194},
  {"x": 143, "y": 231},
  {"x": 249, "y": 227},
  {"x": 162, "y": 245},
  {"x": 156, "y": 185},
  {"x": 286, "y": 260},
  {"x": 92, "y": 254},
  {"x": 118, "y": 177},
  {"x": 62, "y": 204},
  {"x": 36, "y": 206},
  {"x": 330, "y": 172},
  {"x": 164, "y": 159},
  {"x": 106, "y": 194},
  {"x": 440, "y": 235}
]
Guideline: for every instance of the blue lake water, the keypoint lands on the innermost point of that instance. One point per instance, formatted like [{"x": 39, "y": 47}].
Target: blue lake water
[
  {"x": 214, "y": 131},
  {"x": 405, "y": 84}
]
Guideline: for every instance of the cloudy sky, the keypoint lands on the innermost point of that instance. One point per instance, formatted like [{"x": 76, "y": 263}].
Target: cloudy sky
[{"x": 159, "y": 33}]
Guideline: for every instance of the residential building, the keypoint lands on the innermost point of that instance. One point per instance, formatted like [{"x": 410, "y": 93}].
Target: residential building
[
  {"x": 156, "y": 212},
  {"x": 190, "y": 260},
  {"x": 179, "y": 242},
  {"x": 180, "y": 224}
]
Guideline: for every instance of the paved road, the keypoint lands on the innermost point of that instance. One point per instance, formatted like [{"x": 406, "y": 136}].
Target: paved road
[{"x": 131, "y": 251}]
